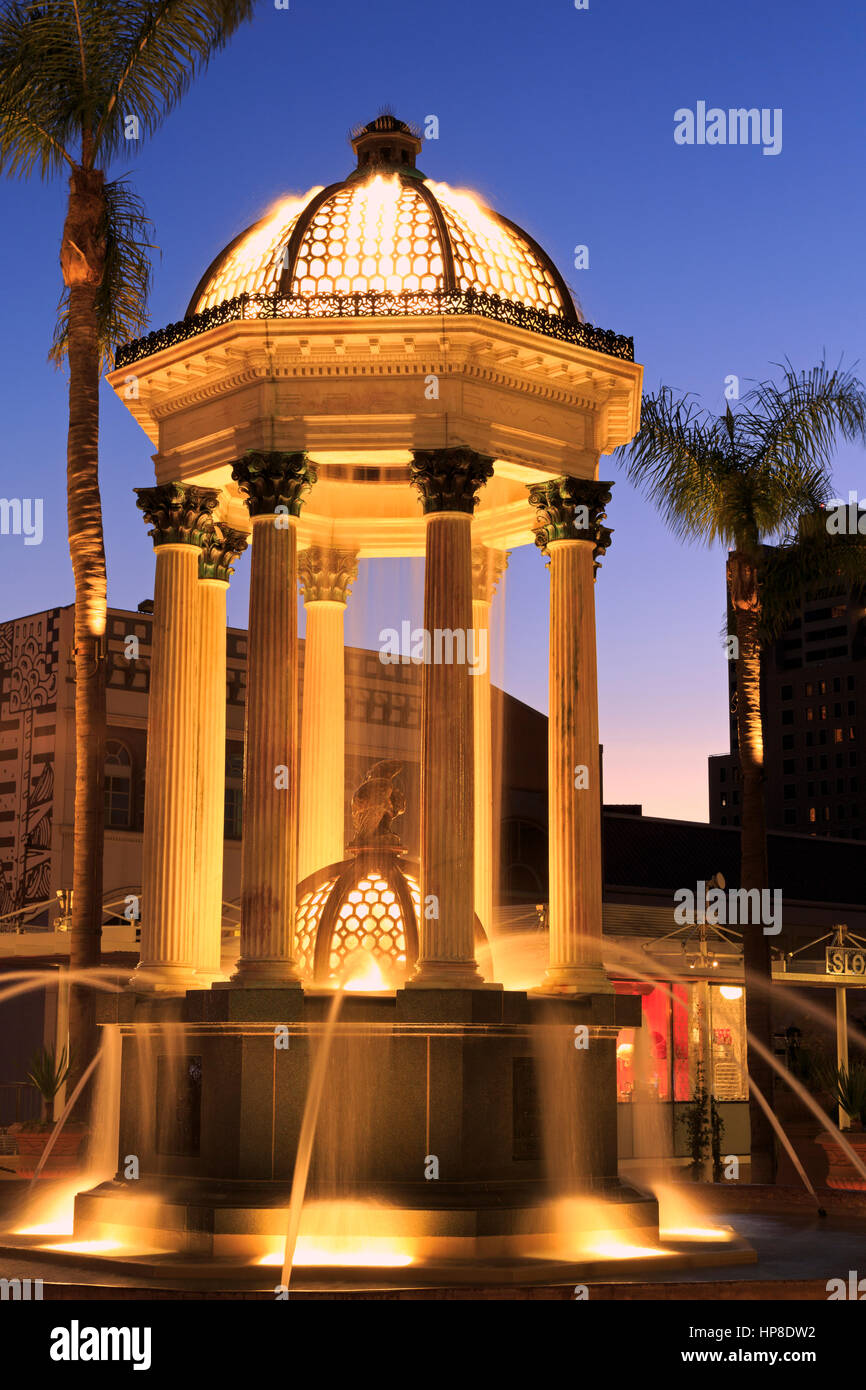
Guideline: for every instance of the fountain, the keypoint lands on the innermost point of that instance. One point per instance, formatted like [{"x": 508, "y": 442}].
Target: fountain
[{"x": 356, "y": 1097}]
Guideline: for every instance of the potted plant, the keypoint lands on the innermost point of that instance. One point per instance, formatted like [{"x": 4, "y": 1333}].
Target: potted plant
[
  {"x": 47, "y": 1073},
  {"x": 847, "y": 1089},
  {"x": 704, "y": 1126}
]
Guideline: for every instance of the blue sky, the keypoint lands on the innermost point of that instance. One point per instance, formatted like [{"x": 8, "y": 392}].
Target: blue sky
[{"x": 718, "y": 260}]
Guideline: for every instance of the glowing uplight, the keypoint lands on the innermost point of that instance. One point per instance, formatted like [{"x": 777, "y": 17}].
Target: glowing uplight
[
  {"x": 730, "y": 991},
  {"x": 364, "y": 974},
  {"x": 53, "y": 1213},
  {"x": 359, "y": 1254},
  {"x": 609, "y": 1245}
]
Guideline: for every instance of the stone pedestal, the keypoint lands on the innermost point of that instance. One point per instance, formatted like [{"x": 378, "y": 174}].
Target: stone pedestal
[
  {"x": 326, "y": 578},
  {"x": 487, "y": 568},
  {"x": 272, "y": 485},
  {"x": 215, "y": 569},
  {"x": 569, "y": 530},
  {"x": 181, "y": 517},
  {"x": 448, "y": 480}
]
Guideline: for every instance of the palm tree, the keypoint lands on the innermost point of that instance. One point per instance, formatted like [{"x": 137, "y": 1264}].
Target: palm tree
[
  {"x": 80, "y": 80},
  {"x": 745, "y": 479}
]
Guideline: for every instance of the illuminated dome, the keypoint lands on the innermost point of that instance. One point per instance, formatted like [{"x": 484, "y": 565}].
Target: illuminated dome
[{"x": 387, "y": 229}]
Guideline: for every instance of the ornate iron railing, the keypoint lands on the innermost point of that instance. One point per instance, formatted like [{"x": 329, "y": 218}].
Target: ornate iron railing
[{"x": 335, "y": 306}]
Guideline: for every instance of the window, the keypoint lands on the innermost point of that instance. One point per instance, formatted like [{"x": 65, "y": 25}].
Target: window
[
  {"x": 788, "y": 767},
  {"x": 822, "y": 737},
  {"x": 837, "y": 735},
  {"x": 840, "y": 784},
  {"x": 840, "y": 760},
  {"x": 852, "y": 706},
  {"x": 825, "y": 787},
  {"x": 852, "y": 733},
  {"x": 808, "y": 689},
  {"x": 723, "y": 774},
  {"x": 118, "y": 786},
  {"x": 822, "y": 711},
  {"x": 812, "y": 816},
  {"x": 787, "y": 692},
  {"x": 850, "y": 682},
  {"x": 234, "y": 813},
  {"x": 790, "y": 792},
  {"x": 852, "y": 759},
  {"x": 822, "y": 762},
  {"x": 788, "y": 740},
  {"x": 790, "y": 817},
  {"x": 810, "y": 764},
  {"x": 810, "y": 715},
  {"x": 853, "y": 784},
  {"x": 837, "y": 611},
  {"x": 822, "y": 687},
  {"x": 810, "y": 740},
  {"x": 788, "y": 716},
  {"x": 837, "y": 710},
  {"x": 810, "y": 788},
  {"x": 826, "y": 812},
  {"x": 837, "y": 684}
]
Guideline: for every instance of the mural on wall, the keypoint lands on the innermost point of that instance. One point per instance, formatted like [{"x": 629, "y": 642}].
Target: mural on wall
[{"x": 28, "y": 692}]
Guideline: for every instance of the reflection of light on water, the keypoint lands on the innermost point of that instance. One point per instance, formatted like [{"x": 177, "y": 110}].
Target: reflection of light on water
[
  {"x": 584, "y": 1232},
  {"x": 87, "y": 1247},
  {"x": 682, "y": 1216},
  {"x": 346, "y": 1254}
]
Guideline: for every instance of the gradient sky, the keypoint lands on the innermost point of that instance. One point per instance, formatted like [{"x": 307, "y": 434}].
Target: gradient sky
[{"x": 717, "y": 260}]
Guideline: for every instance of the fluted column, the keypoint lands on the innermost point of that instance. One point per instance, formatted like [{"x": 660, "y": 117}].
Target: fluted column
[
  {"x": 487, "y": 568},
  {"x": 448, "y": 480},
  {"x": 326, "y": 577},
  {"x": 218, "y": 553},
  {"x": 181, "y": 518},
  {"x": 570, "y": 513},
  {"x": 272, "y": 485}
]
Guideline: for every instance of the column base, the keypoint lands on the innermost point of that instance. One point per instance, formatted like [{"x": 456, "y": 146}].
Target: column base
[
  {"x": 575, "y": 979},
  {"x": 262, "y": 974},
  {"x": 162, "y": 979},
  {"x": 206, "y": 979},
  {"x": 437, "y": 974}
]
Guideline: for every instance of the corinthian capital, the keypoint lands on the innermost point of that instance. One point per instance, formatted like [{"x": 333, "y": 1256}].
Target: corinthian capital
[
  {"x": 220, "y": 548},
  {"x": 448, "y": 479},
  {"x": 274, "y": 482},
  {"x": 179, "y": 513},
  {"x": 571, "y": 509},
  {"x": 488, "y": 567},
  {"x": 327, "y": 575}
]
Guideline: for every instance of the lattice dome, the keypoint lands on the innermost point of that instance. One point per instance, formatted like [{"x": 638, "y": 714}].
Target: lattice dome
[
  {"x": 387, "y": 229},
  {"x": 353, "y": 908}
]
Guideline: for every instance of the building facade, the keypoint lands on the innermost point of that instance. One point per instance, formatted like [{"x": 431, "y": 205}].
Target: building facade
[{"x": 813, "y": 694}]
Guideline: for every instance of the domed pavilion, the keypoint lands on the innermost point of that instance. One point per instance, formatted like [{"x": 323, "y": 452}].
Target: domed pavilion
[{"x": 380, "y": 367}]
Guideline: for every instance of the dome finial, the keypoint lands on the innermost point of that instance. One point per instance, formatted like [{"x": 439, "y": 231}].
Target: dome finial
[{"x": 386, "y": 143}]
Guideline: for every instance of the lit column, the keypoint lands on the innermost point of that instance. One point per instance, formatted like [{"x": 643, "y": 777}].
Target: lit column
[
  {"x": 448, "y": 480},
  {"x": 326, "y": 578},
  {"x": 570, "y": 513},
  {"x": 272, "y": 485},
  {"x": 181, "y": 517},
  {"x": 219, "y": 551},
  {"x": 487, "y": 568}
]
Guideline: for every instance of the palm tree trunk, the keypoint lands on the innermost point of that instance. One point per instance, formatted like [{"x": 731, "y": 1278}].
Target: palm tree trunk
[
  {"x": 757, "y": 958},
  {"x": 82, "y": 259}
]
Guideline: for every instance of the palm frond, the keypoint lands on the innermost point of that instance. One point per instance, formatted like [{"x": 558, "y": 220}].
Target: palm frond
[
  {"x": 41, "y": 93},
  {"x": 806, "y": 565},
  {"x": 122, "y": 298},
  {"x": 157, "y": 49},
  {"x": 680, "y": 462},
  {"x": 793, "y": 424}
]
